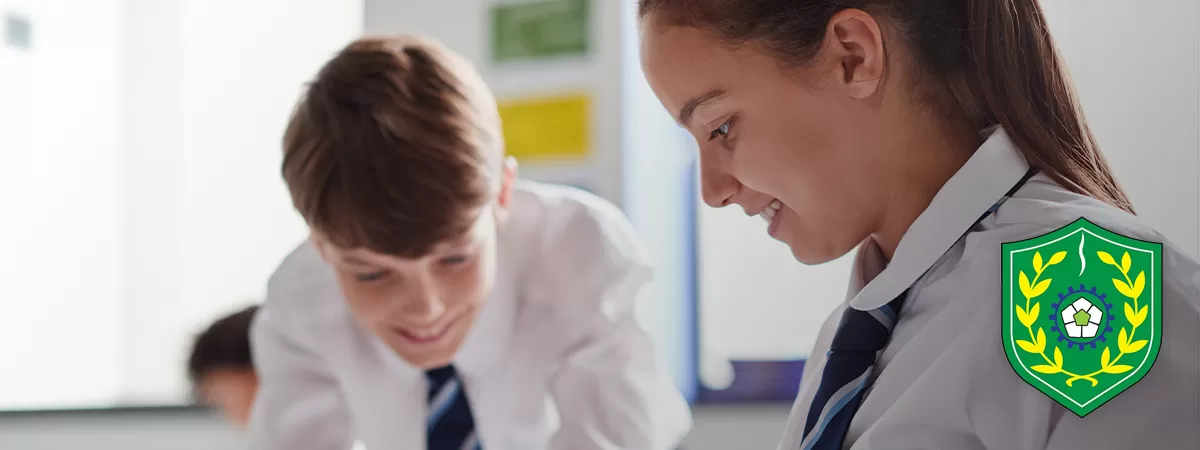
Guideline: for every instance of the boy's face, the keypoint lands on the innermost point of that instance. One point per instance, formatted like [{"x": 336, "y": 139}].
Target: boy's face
[
  {"x": 231, "y": 391},
  {"x": 422, "y": 308}
]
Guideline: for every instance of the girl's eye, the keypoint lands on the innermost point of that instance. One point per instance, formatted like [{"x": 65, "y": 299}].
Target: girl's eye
[{"x": 721, "y": 131}]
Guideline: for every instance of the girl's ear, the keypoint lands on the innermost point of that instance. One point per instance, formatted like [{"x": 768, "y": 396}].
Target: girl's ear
[{"x": 854, "y": 48}]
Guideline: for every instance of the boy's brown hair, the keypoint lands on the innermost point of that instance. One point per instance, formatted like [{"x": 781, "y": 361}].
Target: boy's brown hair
[{"x": 393, "y": 147}]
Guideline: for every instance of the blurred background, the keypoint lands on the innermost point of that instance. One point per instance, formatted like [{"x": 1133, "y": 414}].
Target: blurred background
[{"x": 142, "y": 197}]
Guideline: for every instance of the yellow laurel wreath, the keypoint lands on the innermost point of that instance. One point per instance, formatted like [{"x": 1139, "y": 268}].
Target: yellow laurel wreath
[
  {"x": 1037, "y": 343},
  {"x": 1135, "y": 315}
]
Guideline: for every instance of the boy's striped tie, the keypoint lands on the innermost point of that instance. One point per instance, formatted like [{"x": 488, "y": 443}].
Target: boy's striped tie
[{"x": 450, "y": 425}]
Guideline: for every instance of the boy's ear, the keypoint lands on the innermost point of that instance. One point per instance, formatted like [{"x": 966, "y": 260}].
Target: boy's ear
[
  {"x": 320, "y": 244},
  {"x": 508, "y": 177}
]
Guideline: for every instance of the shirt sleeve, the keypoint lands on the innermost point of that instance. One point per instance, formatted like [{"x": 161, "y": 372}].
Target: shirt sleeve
[
  {"x": 1159, "y": 411},
  {"x": 298, "y": 404},
  {"x": 1163, "y": 409},
  {"x": 611, "y": 388}
]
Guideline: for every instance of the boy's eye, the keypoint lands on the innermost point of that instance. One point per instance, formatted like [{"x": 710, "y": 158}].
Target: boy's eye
[
  {"x": 369, "y": 277},
  {"x": 453, "y": 260},
  {"x": 721, "y": 131}
]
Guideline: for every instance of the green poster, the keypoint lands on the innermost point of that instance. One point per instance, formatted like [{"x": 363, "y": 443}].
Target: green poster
[{"x": 540, "y": 30}]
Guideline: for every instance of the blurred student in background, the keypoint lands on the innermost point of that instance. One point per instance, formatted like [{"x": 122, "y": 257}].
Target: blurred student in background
[
  {"x": 440, "y": 303},
  {"x": 221, "y": 369},
  {"x": 925, "y": 133}
]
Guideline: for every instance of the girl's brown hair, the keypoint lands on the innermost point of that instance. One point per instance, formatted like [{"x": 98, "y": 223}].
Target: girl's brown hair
[{"x": 994, "y": 60}]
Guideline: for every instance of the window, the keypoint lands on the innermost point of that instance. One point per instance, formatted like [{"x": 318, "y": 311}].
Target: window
[{"x": 143, "y": 196}]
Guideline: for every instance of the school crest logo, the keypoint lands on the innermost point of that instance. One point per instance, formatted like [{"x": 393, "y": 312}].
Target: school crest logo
[{"x": 1082, "y": 312}]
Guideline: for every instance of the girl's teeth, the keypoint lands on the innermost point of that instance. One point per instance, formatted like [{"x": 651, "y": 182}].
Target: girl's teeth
[{"x": 770, "y": 211}]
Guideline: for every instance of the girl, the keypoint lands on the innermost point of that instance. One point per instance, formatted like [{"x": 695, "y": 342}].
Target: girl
[{"x": 900, "y": 127}]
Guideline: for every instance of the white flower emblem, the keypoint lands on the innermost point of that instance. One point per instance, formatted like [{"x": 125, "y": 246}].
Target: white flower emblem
[{"x": 1082, "y": 319}]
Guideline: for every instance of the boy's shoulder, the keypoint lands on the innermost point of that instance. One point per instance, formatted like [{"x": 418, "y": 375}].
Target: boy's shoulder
[
  {"x": 578, "y": 245},
  {"x": 560, "y": 202},
  {"x": 566, "y": 215}
]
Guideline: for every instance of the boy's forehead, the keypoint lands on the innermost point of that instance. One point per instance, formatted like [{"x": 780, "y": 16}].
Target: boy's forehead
[{"x": 458, "y": 239}]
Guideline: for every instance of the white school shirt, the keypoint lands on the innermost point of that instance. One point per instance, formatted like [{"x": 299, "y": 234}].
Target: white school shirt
[
  {"x": 556, "y": 359},
  {"x": 944, "y": 382}
]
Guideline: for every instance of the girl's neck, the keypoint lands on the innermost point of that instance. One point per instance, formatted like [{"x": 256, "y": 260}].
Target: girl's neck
[{"x": 930, "y": 155}]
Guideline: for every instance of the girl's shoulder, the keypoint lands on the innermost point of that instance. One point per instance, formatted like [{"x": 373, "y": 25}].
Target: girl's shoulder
[{"x": 1045, "y": 219}]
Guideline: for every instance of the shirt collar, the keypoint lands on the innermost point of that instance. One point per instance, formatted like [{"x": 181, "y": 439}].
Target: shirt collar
[
  {"x": 869, "y": 262},
  {"x": 994, "y": 169}
]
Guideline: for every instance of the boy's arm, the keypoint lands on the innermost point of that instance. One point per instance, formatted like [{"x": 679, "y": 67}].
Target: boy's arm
[
  {"x": 298, "y": 404},
  {"x": 612, "y": 389}
]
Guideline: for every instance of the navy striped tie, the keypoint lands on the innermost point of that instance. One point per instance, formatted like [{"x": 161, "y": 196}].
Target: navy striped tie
[
  {"x": 856, "y": 343},
  {"x": 450, "y": 425}
]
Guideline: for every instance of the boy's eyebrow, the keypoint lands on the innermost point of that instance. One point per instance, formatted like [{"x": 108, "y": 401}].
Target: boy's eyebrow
[{"x": 354, "y": 261}]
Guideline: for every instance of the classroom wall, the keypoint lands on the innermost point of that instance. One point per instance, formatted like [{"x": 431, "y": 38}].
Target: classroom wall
[
  {"x": 211, "y": 84},
  {"x": 142, "y": 152},
  {"x": 60, "y": 173},
  {"x": 1138, "y": 74},
  {"x": 657, "y": 196}
]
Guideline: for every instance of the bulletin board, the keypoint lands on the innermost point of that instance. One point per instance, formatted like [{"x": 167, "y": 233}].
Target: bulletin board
[
  {"x": 547, "y": 128},
  {"x": 540, "y": 30}
]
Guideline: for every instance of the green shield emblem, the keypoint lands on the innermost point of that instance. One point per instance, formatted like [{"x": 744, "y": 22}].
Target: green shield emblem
[{"x": 1082, "y": 314}]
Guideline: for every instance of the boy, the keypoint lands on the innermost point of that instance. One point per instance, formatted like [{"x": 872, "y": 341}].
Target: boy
[
  {"x": 441, "y": 304},
  {"x": 220, "y": 367}
]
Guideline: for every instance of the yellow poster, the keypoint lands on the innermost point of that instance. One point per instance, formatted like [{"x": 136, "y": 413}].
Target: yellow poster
[{"x": 551, "y": 128}]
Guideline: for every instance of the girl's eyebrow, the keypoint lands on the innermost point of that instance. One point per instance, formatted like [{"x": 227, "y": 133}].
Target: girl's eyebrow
[{"x": 689, "y": 109}]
